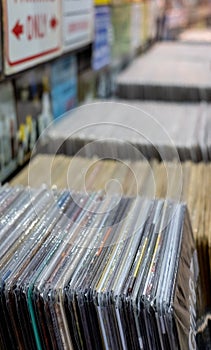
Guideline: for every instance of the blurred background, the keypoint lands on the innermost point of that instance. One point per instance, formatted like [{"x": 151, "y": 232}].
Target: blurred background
[{"x": 58, "y": 55}]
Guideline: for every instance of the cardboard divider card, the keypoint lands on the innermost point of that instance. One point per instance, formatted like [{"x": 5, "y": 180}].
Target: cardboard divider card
[{"x": 32, "y": 32}]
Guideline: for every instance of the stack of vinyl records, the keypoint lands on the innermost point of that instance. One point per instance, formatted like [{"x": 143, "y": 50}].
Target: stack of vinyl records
[
  {"x": 137, "y": 130},
  {"x": 97, "y": 272},
  {"x": 189, "y": 182},
  {"x": 171, "y": 71}
]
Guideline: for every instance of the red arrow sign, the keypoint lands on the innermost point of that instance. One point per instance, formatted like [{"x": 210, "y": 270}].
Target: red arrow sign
[
  {"x": 17, "y": 29},
  {"x": 53, "y": 22}
]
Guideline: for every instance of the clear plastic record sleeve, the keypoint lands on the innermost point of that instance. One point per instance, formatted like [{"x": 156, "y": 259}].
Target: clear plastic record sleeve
[{"x": 96, "y": 272}]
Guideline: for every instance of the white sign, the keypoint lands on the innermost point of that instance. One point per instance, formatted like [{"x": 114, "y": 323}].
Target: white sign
[
  {"x": 77, "y": 5},
  {"x": 78, "y": 19},
  {"x": 32, "y": 31}
]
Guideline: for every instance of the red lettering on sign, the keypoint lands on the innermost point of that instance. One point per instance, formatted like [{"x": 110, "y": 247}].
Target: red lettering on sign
[
  {"x": 36, "y": 26},
  {"x": 74, "y": 27}
]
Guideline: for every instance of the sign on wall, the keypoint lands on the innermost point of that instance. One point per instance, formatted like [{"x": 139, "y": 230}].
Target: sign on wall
[
  {"x": 101, "y": 47},
  {"x": 78, "y": 18},
  {"x": 32, "y": 32},
  {"x": 64, "y": 86}
]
